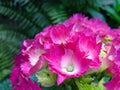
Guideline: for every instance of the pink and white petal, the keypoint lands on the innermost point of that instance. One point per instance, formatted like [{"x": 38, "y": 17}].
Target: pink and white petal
[
  {"x": 28, "y": 69},
  {"x": 70, "y": 64},
  {"x": 59, "y": 34},
  {"x": 26, "y": 44},
  {"x": 34, "y": 55},
  {"x": 34, "y": 52},
  {"x": 25, "y": 68},
  {"x": 39, "y": 65},
  {"x": 69, "y": 60}
]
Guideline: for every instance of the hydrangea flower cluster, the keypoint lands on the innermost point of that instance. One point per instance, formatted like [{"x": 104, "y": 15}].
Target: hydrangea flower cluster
[{"x": 68, "y": 50}]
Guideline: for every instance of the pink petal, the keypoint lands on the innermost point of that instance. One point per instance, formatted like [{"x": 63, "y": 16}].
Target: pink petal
[
  {"x": 60, "y": 79},
  {"x": 99, "y": 26},
  {"x": 21, "y": 82},
  {"x": 44, "y": 38},
  {"x": 59, "y": 34},
  {"x": 26, "y": 44},
  {"x": 114, "y": 84},
  {"x": 25, "y": 67},
  {"x": 76, "y": 18},
  {"x": 89, "y": 46}
]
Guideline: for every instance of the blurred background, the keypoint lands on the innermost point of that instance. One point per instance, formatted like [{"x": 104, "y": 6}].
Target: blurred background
[{"x": 22, "y": 19}]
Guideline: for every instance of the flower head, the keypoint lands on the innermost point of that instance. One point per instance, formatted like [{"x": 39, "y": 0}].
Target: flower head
[
  {"x": 67, "y": 62},
  {"x": 67, "y": 50}
]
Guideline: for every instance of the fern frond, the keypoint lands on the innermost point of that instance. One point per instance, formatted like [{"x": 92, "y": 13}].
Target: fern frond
[
  {"x": 9, "y": 45},
  {"x": 56, "y": 13}
]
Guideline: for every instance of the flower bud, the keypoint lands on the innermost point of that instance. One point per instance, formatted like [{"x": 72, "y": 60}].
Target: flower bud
[{"x": 46, "y": 77}]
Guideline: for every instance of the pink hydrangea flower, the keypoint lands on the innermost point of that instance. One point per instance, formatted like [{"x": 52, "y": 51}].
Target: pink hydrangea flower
[
  {"x": 27, "y": 62},
  {"x": 66, "y": 63},
  {"x": 70, "y": 49},
  {"x": 33, "y": 54}
]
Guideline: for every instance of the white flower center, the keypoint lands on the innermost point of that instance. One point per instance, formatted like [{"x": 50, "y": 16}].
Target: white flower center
[{"x": 70, "y": 68}]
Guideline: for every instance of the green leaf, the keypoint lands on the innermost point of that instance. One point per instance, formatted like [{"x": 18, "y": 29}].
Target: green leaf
[
  {"x": 85, "y": 86},
  {"x": 100, "y": 84},
  {"x": 104, "y": 2},
  {"x": 9, "y": 45},
  {"x": 56, "y": 13},
  {"x": 96, "y": 14},
  {"x": 55, "y": 87},
  {"x": 86, "y": 79},
  {"x": 117, "y": 5},
  {"x": 112, "y": 13},
  {"x": 4, "y": 73}
]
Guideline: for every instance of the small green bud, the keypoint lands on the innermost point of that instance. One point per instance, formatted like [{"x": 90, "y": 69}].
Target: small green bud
[{"x": 46, "y": 77}]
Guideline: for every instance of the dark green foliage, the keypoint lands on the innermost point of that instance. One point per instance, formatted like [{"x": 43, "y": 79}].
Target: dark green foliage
[
  {"x": 22, "y": 19},
  {"x": 5, "y": 85}
]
